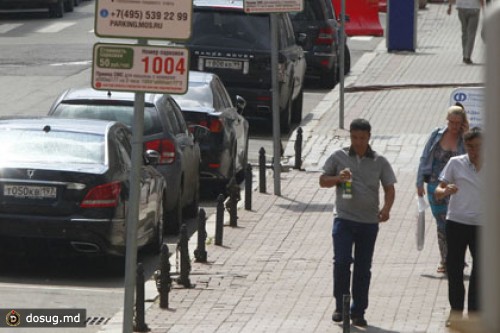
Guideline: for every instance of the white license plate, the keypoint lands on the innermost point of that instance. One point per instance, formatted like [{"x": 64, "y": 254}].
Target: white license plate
[
  {"x": 225, "y": 64},
  {"x": 29, "y": 191}
]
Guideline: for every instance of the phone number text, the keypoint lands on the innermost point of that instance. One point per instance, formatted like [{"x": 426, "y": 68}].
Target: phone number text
[{"x": 150, "y": 15}]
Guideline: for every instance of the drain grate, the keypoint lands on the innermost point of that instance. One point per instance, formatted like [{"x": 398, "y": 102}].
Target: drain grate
[{"x": 97, "y": 321}]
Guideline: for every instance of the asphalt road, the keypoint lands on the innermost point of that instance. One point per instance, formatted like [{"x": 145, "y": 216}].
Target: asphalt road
[{"x": 39, "y": 58}]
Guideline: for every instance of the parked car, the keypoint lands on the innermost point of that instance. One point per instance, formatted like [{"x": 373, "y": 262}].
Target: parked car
[
  {"x": 224, "y": 152},
  {"x": 56, "y": 7},
  {"x": 318, "y": 21},
  {"x": 67, "y": 182},
  {"x": 237, "y": 47},
  {"x": 164, "y": 131}
]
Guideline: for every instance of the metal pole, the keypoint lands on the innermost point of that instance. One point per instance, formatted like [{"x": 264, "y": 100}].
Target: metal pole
[
  {"x": 248, "y": 187},
  {"x": 490, "y": 247},
  {"x": 341, "y": 64},
  {"x": 262, "y": 170},
  {"x": 133, "y": 210},
  {"x": 219, "y": 220},
  {"x": 200, "y": 253},
  {"x": 182, "y": 247},
  {"x": 165, "y": 279},
  {"x": 140, "y": 323},
  {"x": 276, "y": 109},
  {"x": 298, "y": 149}
]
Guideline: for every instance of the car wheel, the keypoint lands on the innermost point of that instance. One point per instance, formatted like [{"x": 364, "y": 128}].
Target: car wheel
[
  {"x": 57, "y": 10},
  {"x": 191, "y": 210},
  {"x": 347, "y": 60},
  {"x": 174, "y": 218},
  {"x": 69, "y": 5},
  {"x": 158, "y": 236},
  {"x": 297, "y": 108},
  {"x": 285, "y": 117},
  {"x": 329, "y": 79}
]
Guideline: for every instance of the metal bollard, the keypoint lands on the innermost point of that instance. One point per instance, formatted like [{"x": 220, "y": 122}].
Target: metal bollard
[
  {"x": 346, "y": 327},
  {"x": 139, "y": 320},
  {"x": 219, "y": 220},
  {"x": 200, "y": 253},
  {"x": 232, "y": 204},
  {"x": 162, "y": 277},
  {"x": 262, "y": 170},
  {"x": 248, "y": 187},
  {"x": 298, "y": 149},
  {"x": 182, "y": 247}
]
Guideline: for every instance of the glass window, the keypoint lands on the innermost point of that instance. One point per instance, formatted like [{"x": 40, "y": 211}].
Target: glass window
[
  {"x": 174, "y": 124},
  {"x": 231, "y": 29},
  {"x": 197, "y": 96},
  {"x": 37, "y": 146},
  {"x": 123, "y": 113}
]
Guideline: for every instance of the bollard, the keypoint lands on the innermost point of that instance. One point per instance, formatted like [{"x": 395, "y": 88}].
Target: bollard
[
  {"x": 232, "y": 204},
  {"x": 346, "y": 327},
  {"x": 200, "y": 253},
  {"x": 219, "y": 220},
  {"x": 248, "y": 187},
  {"x": 185, "y": 264},
  {"x": 162, "y": 277},
  {"x": 298, "y": 149},
  {"x": 139, "y": 322},
  {"x": 262, "y": 170}
]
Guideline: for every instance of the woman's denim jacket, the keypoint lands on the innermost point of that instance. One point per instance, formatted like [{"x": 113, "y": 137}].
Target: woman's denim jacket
[{"x": 425, "y": 165}]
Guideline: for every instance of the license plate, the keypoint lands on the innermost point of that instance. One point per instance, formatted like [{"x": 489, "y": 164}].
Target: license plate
[
  {"x": 225, "y": 64},
  {"x": 29, "y": 191}
]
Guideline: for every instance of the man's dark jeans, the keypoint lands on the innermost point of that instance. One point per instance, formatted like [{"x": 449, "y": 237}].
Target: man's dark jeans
[
  {"x": 362, "y": 236},
  {"x": 460, "y": 236}
]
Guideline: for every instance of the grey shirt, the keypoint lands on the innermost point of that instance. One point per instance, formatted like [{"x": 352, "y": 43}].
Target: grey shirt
[{"x": 368, "y": 172}]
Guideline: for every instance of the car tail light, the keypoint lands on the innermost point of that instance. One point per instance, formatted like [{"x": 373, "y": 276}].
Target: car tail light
[
  {"x": 166, "y": 148},
  {"x": 325, "y": 37},
  {"x": 106, "y": 195},
  {"x": 215, "y": 125}
]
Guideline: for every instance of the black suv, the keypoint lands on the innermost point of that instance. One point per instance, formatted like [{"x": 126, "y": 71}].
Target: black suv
[
  {"x": 237, "y": 47},
  {"x": 319, "y": 22}
]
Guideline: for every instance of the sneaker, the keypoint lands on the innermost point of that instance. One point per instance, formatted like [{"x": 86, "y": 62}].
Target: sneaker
[
  {"x": 441, "y": 268},
  {"x": 454, "y": 315},
  {"x": 359, "y": 321},
  {"x": 468, "y": 61},
  {"x": 337, "y": 316}
]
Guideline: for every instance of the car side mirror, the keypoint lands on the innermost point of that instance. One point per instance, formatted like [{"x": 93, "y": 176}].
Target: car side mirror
[
  {"x": 241, "y": 103},
  {"x": 199, "y": 132},
  {"x": 152, "y": 157}
]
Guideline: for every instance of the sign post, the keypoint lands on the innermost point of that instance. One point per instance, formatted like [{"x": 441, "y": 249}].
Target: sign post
[
  {"x": 139, "y": 68},
  {"x": 274, "y": 6}
]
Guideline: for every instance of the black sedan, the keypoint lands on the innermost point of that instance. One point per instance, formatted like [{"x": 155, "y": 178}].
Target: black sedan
[
  {"x": 65, "y": 182},
  {"x": 224, "y": 152}
]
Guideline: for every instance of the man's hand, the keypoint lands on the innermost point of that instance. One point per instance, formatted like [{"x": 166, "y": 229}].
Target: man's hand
[
  {"x": 383, "y": 215},
  {"x": 420, "y": 191}
]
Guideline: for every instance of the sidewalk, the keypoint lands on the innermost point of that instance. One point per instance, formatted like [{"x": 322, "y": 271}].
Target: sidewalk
[{"x": 274, "y": 272}]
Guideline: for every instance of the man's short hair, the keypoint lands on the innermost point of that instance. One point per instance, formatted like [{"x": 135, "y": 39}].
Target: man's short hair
[
  {"x": 360, "y": 124},
  {"x": 472, "y": 134}
]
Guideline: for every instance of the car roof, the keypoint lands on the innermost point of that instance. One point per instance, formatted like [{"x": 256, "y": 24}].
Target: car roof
[
  {"x": 91, "y": 126},
  {"x": 201, "y": 77},
  {"x": 93, "y": 94}
]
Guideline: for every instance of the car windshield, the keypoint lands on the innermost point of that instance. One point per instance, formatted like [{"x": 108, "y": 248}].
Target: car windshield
[
  {"x": 121, "y": 113},
  {"x": 197, "y": 96},
  {"x": 231, "y": 29},
  {"x": 36, "y": 146}
]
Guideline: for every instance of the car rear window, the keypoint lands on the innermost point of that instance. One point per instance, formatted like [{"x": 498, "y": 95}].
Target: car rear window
[
  {"x": 198, "y": 95},
  {"x": 313, "y": 11},
  {"x": 36, "y": 146},
  {"x": 121, "y": 113},
  {"x": 230, "y": 29}
]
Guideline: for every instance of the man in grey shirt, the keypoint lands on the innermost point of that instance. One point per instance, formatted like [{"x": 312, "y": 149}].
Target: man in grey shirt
[{"x": 357, "y": 216}]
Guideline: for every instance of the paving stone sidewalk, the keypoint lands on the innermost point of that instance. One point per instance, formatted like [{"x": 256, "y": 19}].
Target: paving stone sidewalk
[{"x": 274, "y": 271}]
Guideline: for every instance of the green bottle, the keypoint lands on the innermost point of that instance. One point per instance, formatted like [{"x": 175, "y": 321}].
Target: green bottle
[{"x": 347, "y": 188}]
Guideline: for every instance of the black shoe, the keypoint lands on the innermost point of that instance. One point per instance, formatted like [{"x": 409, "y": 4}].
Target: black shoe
[
  {"x": 337, "y": 316},
  {"x": 468, "y": 61},
  {"x": 359, "y": 321}
]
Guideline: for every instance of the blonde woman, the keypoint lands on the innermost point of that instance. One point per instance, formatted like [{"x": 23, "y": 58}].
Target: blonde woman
[{"x": 443, "y": 143}]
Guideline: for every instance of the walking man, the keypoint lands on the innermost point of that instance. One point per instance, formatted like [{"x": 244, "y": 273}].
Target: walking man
[
  {"x": 357, "y": 216},
  {"x": 460, "y": 179},
  {"x": 468, "y": 14}
]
